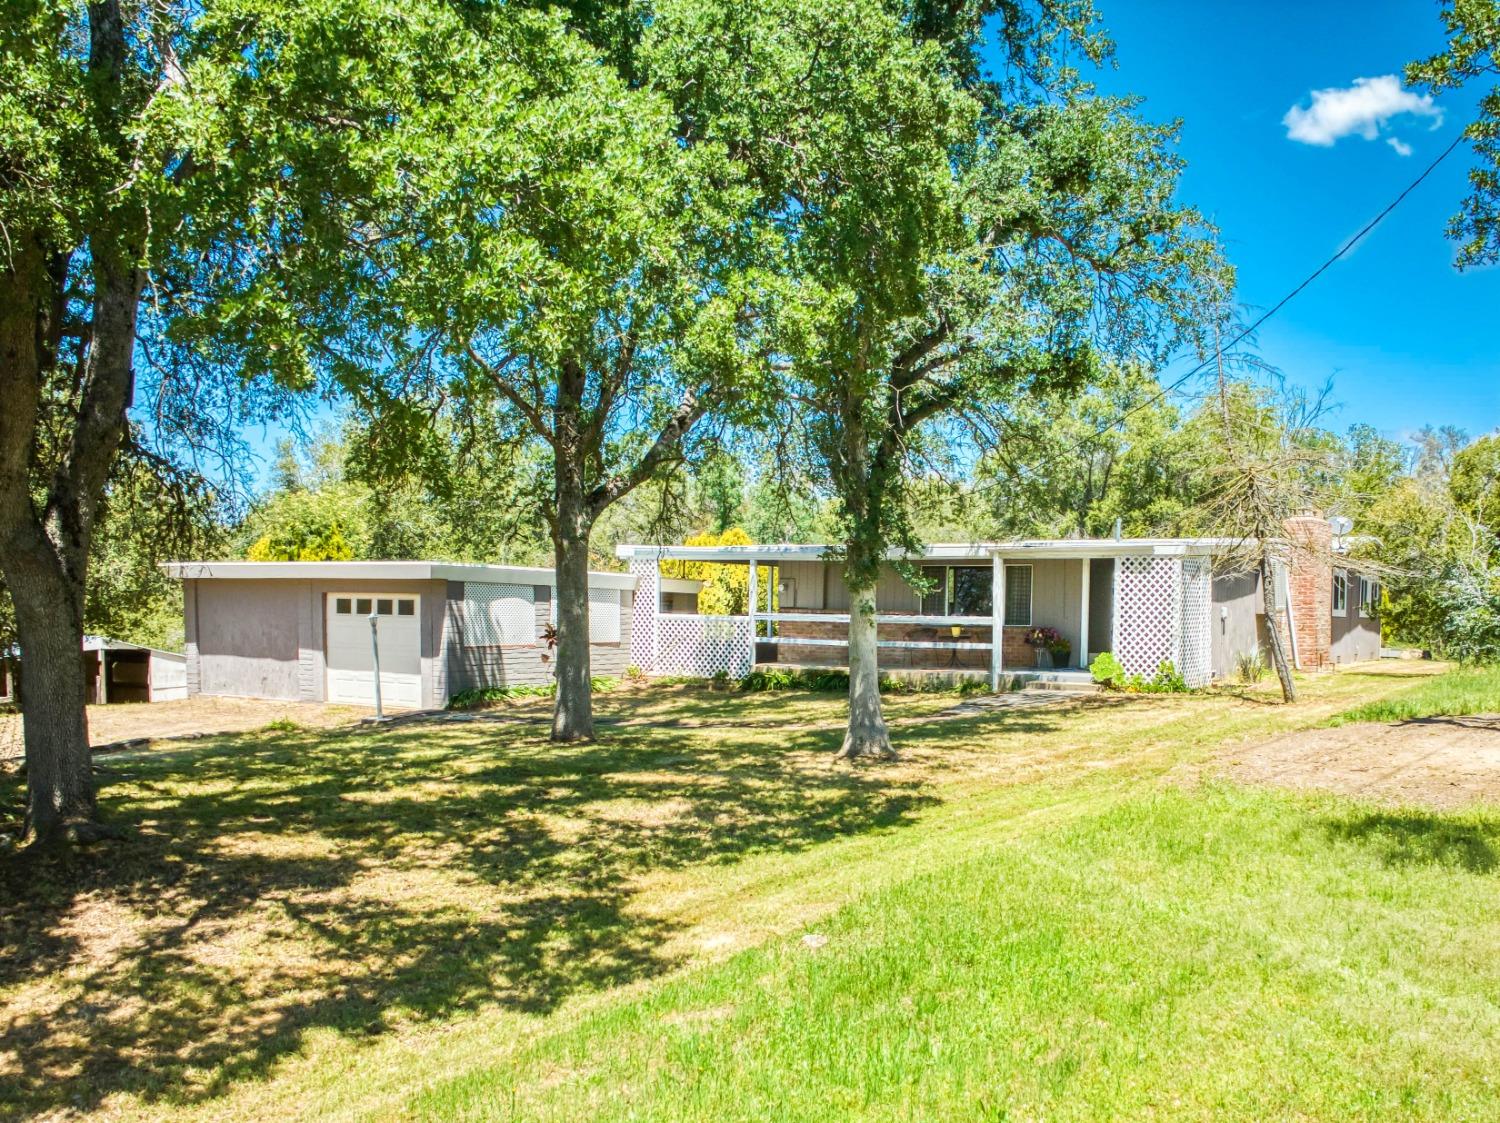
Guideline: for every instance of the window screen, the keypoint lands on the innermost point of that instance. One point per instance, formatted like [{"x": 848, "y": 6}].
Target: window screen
[
  {"x": 499, "y": 615},
  {"x": 935, "y": 603},
  {"x": 973, "y": 591},
  {"x": 604, "y": 615},
  {"x": 1018, "y": 596}
]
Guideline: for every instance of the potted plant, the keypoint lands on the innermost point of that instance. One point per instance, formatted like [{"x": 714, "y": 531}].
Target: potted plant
[
  {"x": 1045, "y": 642},
  {"x": 1061, "y": 651}
]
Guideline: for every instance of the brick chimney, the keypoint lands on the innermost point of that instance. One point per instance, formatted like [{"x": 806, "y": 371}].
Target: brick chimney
[{"x": 1310, "y": 587}]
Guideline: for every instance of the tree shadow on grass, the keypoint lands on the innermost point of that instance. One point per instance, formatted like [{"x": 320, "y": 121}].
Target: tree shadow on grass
[
  {"x": 357, "y": 881},
  {"x": 1409, "y": 838}
]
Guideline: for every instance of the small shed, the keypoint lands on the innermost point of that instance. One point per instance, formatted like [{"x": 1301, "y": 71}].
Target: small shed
[{"x": 128, "y": 672}]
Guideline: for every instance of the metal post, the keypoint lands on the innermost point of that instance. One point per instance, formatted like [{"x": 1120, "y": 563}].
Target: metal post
[
  {"x": 1083, "y": 617},
  {"x": 997, "y": 621},
  {"x": 375, "y": 651}
]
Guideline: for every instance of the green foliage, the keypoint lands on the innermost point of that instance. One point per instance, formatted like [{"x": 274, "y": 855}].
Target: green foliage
[
  {"x": 726, "y": 587},
  {"x": 1107, "y": 670},
  {"x": 1472, "y": 55},
  {"x": 1469, "y": 599}
]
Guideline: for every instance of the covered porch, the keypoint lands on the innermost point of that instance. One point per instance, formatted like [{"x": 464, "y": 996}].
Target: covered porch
[{"x": 937, "y": 615}]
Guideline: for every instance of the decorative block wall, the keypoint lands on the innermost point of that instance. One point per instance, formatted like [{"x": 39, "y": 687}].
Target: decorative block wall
[
  {"x": 1148, "y": 607},
  {"x": 1195, "y": 642},
  {"x": 703, "y": 646},
  {"x": 644, "y": 612}
]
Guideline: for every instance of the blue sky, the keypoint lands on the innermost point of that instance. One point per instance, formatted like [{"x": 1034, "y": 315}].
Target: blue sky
[{"x": 1407, "y": 339}]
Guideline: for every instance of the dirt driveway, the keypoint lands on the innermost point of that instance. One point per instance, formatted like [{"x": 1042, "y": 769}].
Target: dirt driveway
[
  {"x": 1440, "y": 762},
  {"x": 192, "y": 716}
]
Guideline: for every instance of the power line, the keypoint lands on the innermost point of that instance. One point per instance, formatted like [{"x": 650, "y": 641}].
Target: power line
[{"x": 1277, "y": 307}]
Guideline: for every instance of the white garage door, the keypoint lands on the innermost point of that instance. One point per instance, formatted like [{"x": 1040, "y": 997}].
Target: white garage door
[{"x": 351, "y": 660}]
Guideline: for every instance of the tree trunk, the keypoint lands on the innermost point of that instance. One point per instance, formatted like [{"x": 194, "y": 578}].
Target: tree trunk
[
  {"x": 867, "y": 735},
  {"x": 1278, "y": 649},
  {"x": 59, "y": 768},
  {"x": 573, "y": 715}
]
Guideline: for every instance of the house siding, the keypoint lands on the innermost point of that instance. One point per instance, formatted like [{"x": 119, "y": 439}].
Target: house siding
[
  {"x": 1356, "y": 638},
  {"x": 491, "y": 667},
  {"x": 1233, "y": 622},
  {"x": 264, "y": 639}
]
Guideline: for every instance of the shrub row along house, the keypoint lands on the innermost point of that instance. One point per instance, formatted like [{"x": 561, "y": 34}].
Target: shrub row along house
[{"x": 302, "y": 630}]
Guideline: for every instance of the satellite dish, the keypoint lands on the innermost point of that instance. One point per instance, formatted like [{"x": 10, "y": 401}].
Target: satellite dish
[{"x": 1341, "y": 525}]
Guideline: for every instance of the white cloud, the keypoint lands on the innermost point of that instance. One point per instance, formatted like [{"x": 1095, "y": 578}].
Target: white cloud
[
  {"x": 1400, "y": 146},
  {"x": 1363, "y": 108}
]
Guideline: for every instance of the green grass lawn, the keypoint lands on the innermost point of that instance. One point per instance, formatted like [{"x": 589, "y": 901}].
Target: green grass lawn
[
  {"x": 1465, "y": 690},
  {"x": 1056, "y": 914}
]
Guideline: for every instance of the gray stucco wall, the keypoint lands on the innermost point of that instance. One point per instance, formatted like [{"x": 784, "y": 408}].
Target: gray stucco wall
[
  {"x": 264, "y": 639},
  {"x": 478, "y": 668},
  {"x": 1232, "y": 620}
]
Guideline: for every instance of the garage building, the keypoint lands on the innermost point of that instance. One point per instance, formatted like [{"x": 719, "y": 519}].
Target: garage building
[{"x": 301, "y": 630}]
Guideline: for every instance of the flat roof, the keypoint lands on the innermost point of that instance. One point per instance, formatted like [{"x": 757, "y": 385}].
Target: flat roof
[
  {"x": 382, "y": 571},
  {"x": 943, "y": 551}
]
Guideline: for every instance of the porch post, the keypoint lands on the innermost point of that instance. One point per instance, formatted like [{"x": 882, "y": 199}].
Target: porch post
[
  {"x": 754, "y": 595},
  {"x": 1083, "y": 618},
  {"x": 997, "y": 621}
]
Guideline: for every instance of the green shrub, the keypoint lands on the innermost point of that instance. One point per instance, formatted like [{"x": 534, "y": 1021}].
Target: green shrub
[
  {"x": 1168, "y": 680},
  {"x": 1108, "y": 671}
]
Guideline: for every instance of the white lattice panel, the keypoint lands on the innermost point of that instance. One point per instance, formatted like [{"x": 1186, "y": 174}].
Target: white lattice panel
[
  {"x": 702, "y": 646},
  {"x": 1148, "y": 605},
  {"x": 644, "y": 612},
  {"x": 604, "y": 615},
  {"x": 498, "y": 615},
  {"x": 1195, "y": 643}
]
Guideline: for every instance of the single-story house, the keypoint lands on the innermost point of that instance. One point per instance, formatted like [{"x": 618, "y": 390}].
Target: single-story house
[
  {"x": 303, "y": 630},
  {"x": 1148, "y": 600},
  {"x": 116, "y": 671}
]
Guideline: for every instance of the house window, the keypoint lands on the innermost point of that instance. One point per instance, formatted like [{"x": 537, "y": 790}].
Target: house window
[
  {"x": 384, "y": 607},
  {"x": 1369, "y": 597},
  {"x": 343, "y": 606},
  {"x": 959, "y": 590},
  {"x": 971, "y": 590},
  {"x": 935, "y": 603},
  {"x": 1340, "y": 593},
  {"x": 362, "y": 606},
  {"x": 1018, "y": 596},
  {"x": 498, "y": 615},
  {"x": 406, "y": 608}
]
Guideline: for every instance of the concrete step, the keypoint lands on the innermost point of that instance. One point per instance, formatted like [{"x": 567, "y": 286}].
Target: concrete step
[{"x": 1069, "y": 686}]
